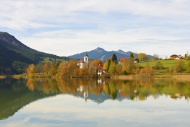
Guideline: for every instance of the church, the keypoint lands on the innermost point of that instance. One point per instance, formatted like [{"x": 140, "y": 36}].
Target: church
[{"x": 83, "y": 63}]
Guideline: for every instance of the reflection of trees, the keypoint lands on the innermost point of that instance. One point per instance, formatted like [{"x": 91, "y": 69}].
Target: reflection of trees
[{"x": 125, "y": 89}]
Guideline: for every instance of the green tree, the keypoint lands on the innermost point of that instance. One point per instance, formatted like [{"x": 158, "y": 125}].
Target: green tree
[
  {"x": 143, "y": 57},
  {"x": 180, "y": 66},
  {"x": 109, "y": 62},
  {"x": 187, "y": 67},
  {"x": 132, "y": 56},
  {"x": 114, "y": 58},
  {"x": 158, "y": 65},
  {"x": 112, "y": 68}
]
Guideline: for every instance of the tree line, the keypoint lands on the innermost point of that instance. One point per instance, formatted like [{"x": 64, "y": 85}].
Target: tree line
[{"x": 126, "y": 66}]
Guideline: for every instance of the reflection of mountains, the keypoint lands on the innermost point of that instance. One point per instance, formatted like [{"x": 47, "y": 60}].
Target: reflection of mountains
[{"x": 14, "y": 95}]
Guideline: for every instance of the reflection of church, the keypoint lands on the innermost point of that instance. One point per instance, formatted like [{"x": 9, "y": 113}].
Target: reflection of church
[
  {"x": 83, "y": 91},
  {"x": 83, "y": 63}
]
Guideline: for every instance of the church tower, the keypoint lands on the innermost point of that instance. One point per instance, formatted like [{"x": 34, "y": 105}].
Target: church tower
[{"x": 86, "y": 58}]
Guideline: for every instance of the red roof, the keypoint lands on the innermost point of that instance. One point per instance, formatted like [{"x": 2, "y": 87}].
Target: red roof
[
  {"x": 100, "y": 68},
  {"x": 123, "y": 59}
]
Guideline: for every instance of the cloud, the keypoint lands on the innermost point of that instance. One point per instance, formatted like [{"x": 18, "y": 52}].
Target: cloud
[
  {"x": 57, "y": 26},
  {"x": 138, "y": 40}
]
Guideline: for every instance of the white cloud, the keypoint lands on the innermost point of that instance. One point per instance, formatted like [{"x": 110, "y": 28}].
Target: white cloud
[
  {"x": 65, "y": 27},
  {"x": 138, "y": 40}
]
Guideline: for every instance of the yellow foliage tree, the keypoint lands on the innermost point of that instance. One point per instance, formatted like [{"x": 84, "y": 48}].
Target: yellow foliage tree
[{"x": 30, "y": 69}]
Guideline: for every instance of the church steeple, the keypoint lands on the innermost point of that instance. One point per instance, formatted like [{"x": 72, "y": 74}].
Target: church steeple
[{"x": 86, "y": 58}]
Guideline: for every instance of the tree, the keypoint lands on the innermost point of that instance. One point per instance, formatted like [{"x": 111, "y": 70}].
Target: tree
[
  {"x": 128, "y": 66},
  {"x": 146, "y": 72},
  {"x": 155, "y": 57},
  {"x": 108, "y": 67},
  {"x": 97, "y": 62},
  {"x": 53, "y": 69},
  {"x": 112, "y": 68},
  {"x": 46, "y": 68},
  {"x": 132, "y": 56},
  {"x": 114, "y": 58},
  {"x": 105, "y": 66},
  {"x": 143, "y": 57},
  {"x": 39, "y": 68},
  {"x": 30, "y": 69},
  {"x": 187, "y": 67},
  {"x": 158, "y": 65},
  {"x": 180, "y": 66}
]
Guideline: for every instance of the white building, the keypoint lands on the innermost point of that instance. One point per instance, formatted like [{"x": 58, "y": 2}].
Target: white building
[{"x": 83, "y": 63}]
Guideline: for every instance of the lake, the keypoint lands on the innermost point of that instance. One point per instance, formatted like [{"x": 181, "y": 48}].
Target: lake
[{"x": 94, "y": 103}]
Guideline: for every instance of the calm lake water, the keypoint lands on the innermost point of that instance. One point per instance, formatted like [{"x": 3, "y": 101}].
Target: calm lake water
[{"x": 91, "y": 103}]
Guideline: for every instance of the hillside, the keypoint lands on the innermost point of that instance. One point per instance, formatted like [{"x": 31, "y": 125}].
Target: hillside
[
  {"x": 15, "y": 56},
  {"x": 100, "y": 53}
]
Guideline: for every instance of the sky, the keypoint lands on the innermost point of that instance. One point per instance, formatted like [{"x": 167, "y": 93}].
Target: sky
[{"x": 67, "y": 27}]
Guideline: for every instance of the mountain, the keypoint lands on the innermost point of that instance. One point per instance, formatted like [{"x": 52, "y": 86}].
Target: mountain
[
  {"x": 100, "y": 53},
  {"x": 15, "y": 56}
]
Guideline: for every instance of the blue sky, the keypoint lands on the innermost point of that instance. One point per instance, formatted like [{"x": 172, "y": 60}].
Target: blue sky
[{"x": 66, "y": 27}]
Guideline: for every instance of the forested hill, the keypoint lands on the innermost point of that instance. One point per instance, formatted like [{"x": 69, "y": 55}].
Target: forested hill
[{"x": 15, "y": 56}]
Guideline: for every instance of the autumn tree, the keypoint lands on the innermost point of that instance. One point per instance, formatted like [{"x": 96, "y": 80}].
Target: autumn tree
[
  {"x": 46, "y": 68},
  {"x": 97, "y": 62},
  {"x": 92, "y": 68},
  {"x": 105, "y": 65},
  {"x": 71, "y": 66},
  {"x": 146, "y": 72},
  {"x": 30, "y": 69},
  {"x": 53, "y": 69},
  {"x": 128, "y": 67},
  {"x": 119, "y": 69},
  {"x": 39, "y": 68}
]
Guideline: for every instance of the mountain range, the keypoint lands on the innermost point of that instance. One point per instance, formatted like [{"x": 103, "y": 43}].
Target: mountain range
[
  {"x": 100, "y": 53},
  {"x": 15, "y": 56}
]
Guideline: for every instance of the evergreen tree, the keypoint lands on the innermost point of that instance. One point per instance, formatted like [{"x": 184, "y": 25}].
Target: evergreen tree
[
  {"x": 114, "y": 58},
  {"x": 132, "y": 56}
]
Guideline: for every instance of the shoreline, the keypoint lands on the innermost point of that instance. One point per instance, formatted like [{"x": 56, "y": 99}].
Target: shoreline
[
  {"x": 114, "y": 77},
  {"x": 133, "y": 77}
]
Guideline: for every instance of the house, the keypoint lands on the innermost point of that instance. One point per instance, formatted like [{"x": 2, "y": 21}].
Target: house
[
  {"x": 100, "y": 70},
  {"x": 176, "y": 57},
  {"x": 83, "y": 63},
  {"x": 136, "y": 60}
]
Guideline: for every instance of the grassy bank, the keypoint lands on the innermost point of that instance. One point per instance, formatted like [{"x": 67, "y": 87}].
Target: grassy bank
[
  {"x": 133, "y": 77},
  {"x": 166, "y": 63}
]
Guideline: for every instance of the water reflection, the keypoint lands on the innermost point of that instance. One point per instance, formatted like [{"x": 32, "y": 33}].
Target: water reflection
[
  {"x": 134, "y": 90},
  {"x": 47, "y": 102}
]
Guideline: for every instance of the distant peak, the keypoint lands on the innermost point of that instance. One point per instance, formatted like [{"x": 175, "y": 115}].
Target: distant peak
[
  {"x": 99, "y": 49},
  {"x": 120, "y": 51}
]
